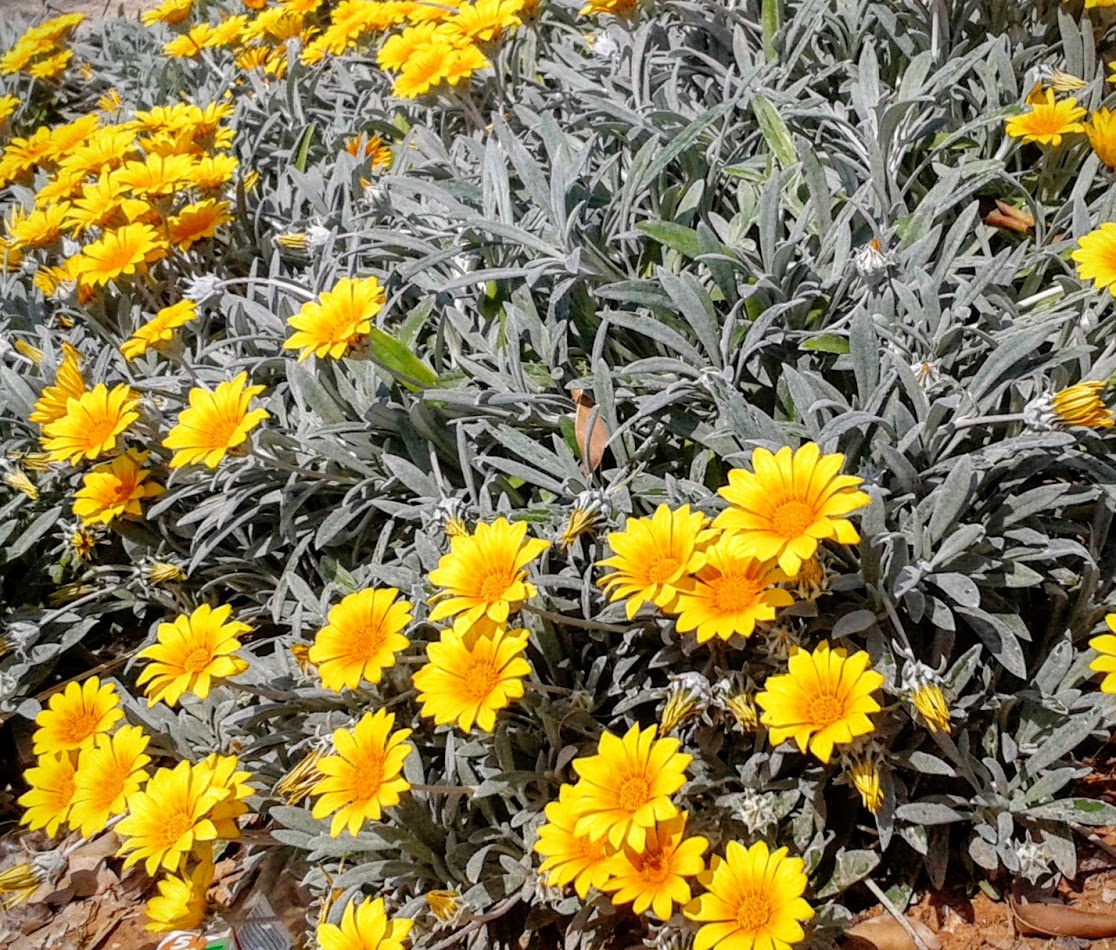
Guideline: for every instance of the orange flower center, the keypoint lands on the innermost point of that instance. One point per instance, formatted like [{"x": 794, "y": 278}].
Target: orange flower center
[
  {"x": 663, "y": 570},
  {"x": 122, "y": 493},
  {"x": 494, "y": 585},
  {"x": 633, "y": 793},
  {"x": 792, "y": 518},
  {"x": 367, "y": 641},
  {"x": 100, "y": 429},
  {"x": 481, "y": 678},
  {"x": 197, "y": 660},
  {"x": 367, "y": 777},
  {"x": 655, "y": 868},
  {"x": 220, "y": 432},
  {"x": 753, "y": 912},
  {"x": 79, "y": 727},
  {"x": 176, "y": 825},
  {"x": 825, "y": 710},
  {"x": 118, "y": 256},
  {"x": 734, "y": 592}
]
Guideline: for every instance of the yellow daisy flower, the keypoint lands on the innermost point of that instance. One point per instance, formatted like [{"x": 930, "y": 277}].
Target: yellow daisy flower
[
  {"x": 191, "y": 652},
  {"x": 38, "y": 228},
  {"x": 181, "y": 902},
  {"x": 98, "y": 206},
  {"x": 339, "y": 321},
  {"x": 225, "y": 775},
  {"x": 215, "y": 423},
  {"x": 790, "y": 502},
  {"x": 159, "y": 329},
  {"x": 617, "y": 8},
  {"x": 625, "y": 788},
  {"x": 462, "y": 63},
  {"x": 569, "y": 858},
  {"x": 824, "y": 699},
  {"x": 1047, "y": 121},
  {"x": 75, "y": 717},
  {"x": 753, "y": 900},
  {"x": 68, "y": 384},
  {"x": 364, "y": 927},
  {"x": 53, "y": 66},
  {"x": 1096, "y": 257},
  {"x": 471, "y": 677},
  {"x": 65, "y": 138},
  {"x": 107, "y": 773},
  {"x": 365, "y": 776},
  {"x": 196, "y": 222},
  {"x": 213, "y": 172},
  {"x": 654, "y": 557},
  {"x": 122, "y": 252},
  {"x": 483, "y": 574},
  {"x": 169, "y": 11},
  {"x": 8, "y": 106},
  {"x": 92, "y": 424},
  {"x": 169, "y": 817},
  {"x": 1101, "y": 130},
  {"x": 400, "y": 47},
  {"x": 733, "y": 592},
  {"x": 1105, "y": 663},
  {"x": 361, "y": 639},
  {"x": 655, "y": 878},
  {"x": 51, "y": 782},
  {"x": 423, "y": 71},
  {"x": 115, "y": 489},
  {"x": 485, "y": 21}
]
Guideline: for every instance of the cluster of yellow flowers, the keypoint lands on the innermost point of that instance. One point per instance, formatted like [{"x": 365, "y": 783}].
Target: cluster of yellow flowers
[
  {"x": 91, "y": 774},
  {"x": 42, "y": 52},
  {"x": 135, "y": 191},
  {"x": 440, "y": 44},
  {"x": 1050, "y": 122}
]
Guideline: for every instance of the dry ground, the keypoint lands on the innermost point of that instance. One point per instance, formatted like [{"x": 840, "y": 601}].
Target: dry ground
[{"x": 33, "y": 9}]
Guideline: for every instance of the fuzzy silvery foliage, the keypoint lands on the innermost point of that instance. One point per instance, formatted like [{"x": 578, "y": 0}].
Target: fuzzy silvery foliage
[{"x": 668, "y": 215}]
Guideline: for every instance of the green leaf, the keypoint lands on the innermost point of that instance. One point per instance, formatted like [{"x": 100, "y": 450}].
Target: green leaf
[
  {"x": 675, "y": 236},
  {"x": 771, "y": 20},
  {"x": 403, "y": 365},
  {"x": 775, "y": 132},
  {"x": 826, "y": 343},
  {"x": 851, "y": 866}
]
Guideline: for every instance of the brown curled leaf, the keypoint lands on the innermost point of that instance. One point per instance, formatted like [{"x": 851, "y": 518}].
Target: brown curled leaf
[
  {"x": 999, "y": 214},
  {"x": 1061, "y": 920},
  {"x": 886, "y": 933},
  {"x": 591, "y": 445}
]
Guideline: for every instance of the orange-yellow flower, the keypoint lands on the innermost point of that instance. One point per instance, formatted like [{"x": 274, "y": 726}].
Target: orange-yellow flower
[
  {"x": 215, "y": 423},
  {"x": 115, "y": 489},
  {"x": 92, "y": 424},
  {"x": 1047, "y": 121}
]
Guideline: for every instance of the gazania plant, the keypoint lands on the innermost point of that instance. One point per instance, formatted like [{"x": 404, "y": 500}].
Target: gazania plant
[{"x": 631, "y": 474}]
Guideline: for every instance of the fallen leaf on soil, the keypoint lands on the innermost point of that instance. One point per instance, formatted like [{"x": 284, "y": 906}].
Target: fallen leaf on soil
[
  {"x": 886, "y": 933},
  {"x": 1060, "y": 920},
  {"x": 1002, "y": 215},
  {"x": 590, "y": 444}
]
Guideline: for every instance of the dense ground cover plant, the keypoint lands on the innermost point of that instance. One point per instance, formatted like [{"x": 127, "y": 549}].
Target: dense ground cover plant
[{"x": 637, "y": 473}]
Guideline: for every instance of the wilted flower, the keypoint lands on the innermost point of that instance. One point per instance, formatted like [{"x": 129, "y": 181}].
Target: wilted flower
[
  {"x": 448, "y": 516},
  {"x": 923, "y": 688},
  {"x": 18, "y": 480},
  {"x": 1034, "y": 860},
  {"x": 201, "y": 288},
  {"x": 591, "y": 510},
  {"x": 756, "y": 811},
  {"x": 445, "y": 905},
  {"x": 1060, "y": 81},
  {"x": 864, "y": 774},
  {"x": 164, "y": 572},
  {"x": 872, "y": 263},
  {"x": 687, "y": 695},
  {"x": 298, "y": 783}
]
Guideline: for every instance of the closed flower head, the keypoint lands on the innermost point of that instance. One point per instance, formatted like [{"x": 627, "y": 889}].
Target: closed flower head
[
  {"x": 654, "y": 557},
  {"x": 365, "y": 776},
  {"x": 362, "y": 637},
  {"x": 190, "y": 653},
  {"x": 215, "y": 423},
  {"x": 823, "y": 700},
  {"x": 790, "y": 502},
  {"x": 181, "y": 902},
  {"x": 625, "y": 789},
  {"x": 1101, "y": 129},
  {"x": 484, "y": 574}
]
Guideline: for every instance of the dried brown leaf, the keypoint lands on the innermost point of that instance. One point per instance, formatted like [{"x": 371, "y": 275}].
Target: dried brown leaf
[
  {"x": 886, "y": 933},
  {"x": 590, "y": 444},
  {"x": 1061, "y": 920}
]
